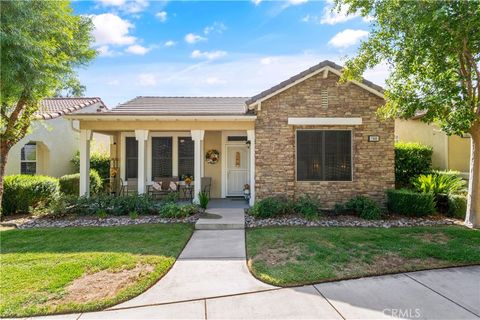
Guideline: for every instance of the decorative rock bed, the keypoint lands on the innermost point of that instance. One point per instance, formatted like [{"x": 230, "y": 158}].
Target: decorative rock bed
[
  {"x": 89, "y": 221},
  {"x": 349, "y": 221}
]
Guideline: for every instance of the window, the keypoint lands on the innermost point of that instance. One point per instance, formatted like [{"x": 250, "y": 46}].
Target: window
[
  {"x": 186, "y": 149},
  {"x": 324, "y": 155},
  {"x": 161, "y": 157},
  {"x": 131, "y": 158},
  {"x": 28, "y": 158},
  {"x": 237, "y": 138}
]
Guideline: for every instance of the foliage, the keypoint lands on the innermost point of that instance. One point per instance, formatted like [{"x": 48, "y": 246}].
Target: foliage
[
  {"x": 171, "y": 197},
  {"x": 39, "y": 264},
  {"x": 117, "y": 206},
  {"x": 307, "y": 207},
  {"x": 270, "y": 207},
  {"x": 98, "y": 161},
  {"x": 174, "y": 210},
  {"x": 439, "y": 183},
  {"x": 433, "y": 51},
  {"x": 410, "y": 203},
  {"x": 364, "y": 207},
  {"x": 42, "y": 45},
  {"x": 70, "y": 183},
  {"x": 299, "y": 255},
  {"x": 24, "y": 193},
  {"x": 133, "y": 215},
  {"x": 411, "y": 159},
  {"x": 457, "y": 206},
  {"x": 203, "y": 200}
]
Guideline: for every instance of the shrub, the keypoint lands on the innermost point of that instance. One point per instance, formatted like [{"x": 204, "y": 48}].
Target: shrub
[
  {"x": 270, "y": 207},
  {"x": 457, "y": 206},
  {"x": 439, "y": 183},
  {"x": 171, "y": 197},
  {"x": 98, "y": 161},
  {"x": 70, "y": 183},
  {"x": 307, "y": 207},
  {"x": 142, "y": 204},
  {"x": 411, "y": 160},
  {"x": 203, "y": 200},
  {"x": 410, "y": 203},
  {"x": 174, "y": 210},
  {"x": 23, "y": 193},
  {"x": 364, "y": 207}
]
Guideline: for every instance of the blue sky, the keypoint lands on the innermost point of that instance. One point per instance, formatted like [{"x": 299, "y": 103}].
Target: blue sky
[{"x": 217, "y": 48}]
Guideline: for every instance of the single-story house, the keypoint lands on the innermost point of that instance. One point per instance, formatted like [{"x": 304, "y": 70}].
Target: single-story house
[
  {"x": 449, "y": 152},
  {"x": 309, "y": 135},
  {"x": 53, "y": 140}
]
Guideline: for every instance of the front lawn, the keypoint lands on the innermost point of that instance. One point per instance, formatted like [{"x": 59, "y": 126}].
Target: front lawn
[
  {"x": 47, "y": 271},
  {"x": 288, "y": 256}
]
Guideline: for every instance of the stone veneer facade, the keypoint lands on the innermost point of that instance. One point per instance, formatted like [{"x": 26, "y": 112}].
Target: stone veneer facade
[{"x": 373, "y": 162}]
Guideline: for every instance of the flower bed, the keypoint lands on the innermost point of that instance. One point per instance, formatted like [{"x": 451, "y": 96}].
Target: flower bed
[{"x": 348, "y": 221}]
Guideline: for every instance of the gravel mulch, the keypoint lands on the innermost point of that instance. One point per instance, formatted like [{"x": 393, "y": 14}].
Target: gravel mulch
[
  {"x": 89, "y": 221},
  {"x": 349, "y": 221}
]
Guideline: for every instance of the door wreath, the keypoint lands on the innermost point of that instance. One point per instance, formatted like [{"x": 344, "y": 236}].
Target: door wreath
[{"x": 212, "y": 156}]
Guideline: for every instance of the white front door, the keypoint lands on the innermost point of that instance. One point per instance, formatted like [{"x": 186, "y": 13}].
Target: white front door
[{"x": 237, "y": 169}]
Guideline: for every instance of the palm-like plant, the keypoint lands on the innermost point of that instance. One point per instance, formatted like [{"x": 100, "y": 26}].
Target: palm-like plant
[
  {"x": 203, "y": 201},
  {"x": 440, "y": 183}
]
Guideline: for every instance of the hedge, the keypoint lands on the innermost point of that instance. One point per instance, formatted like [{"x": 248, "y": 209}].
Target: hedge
[
  {"x": 98, "y": 161},
  {"x": 70, "y": 183},
  {"x": 21, "y": 193},
  {"x": 457, "y": 206},
  {"x": 410, "y": 203},
  {"x": 411, "y": 160}
]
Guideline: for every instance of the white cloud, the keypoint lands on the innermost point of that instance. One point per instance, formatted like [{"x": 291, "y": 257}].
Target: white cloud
[
  {"x": 110, "y": 29},
  {"x": 267, "y": 60},
  {"x": 162, "y": 16},
  {"x": 112, "y": 2},
  {"x": 256, "y": 2},
  {"x": 210, "y": 55},
  {"x": 147, "y": 79},
  {"x": 217, "y": 27},
  {"x": 296, "y": 2},
  {"x": 214, "y": 81},
  {"x": 194, "y": 38},
  {"x": 347, "y": 38},
  {"x": 104, "y": 51},
  {"x": 137, "y": 49},
  {"x": 306, "y": 18},
  {"x": 113, "y": 82},
  {"x": 169, "y": 43},
  {"x": 130, "y": 6}
]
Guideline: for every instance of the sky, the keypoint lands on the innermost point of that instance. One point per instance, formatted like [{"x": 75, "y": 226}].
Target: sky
[{"x": 212, "y": 48}]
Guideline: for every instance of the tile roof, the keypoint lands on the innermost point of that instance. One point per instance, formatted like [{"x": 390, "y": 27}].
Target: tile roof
[
  {"x": 182, "y": 106},
  {"x": 51, "y": 108},
  {"x": 305, "y": 73}
]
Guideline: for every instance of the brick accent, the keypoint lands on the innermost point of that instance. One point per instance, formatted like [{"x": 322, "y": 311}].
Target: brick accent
[{"x": 373, "y": 162}]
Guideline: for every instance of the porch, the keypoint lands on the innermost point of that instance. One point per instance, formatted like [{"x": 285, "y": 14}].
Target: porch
[{"x": 141, "y": 157}]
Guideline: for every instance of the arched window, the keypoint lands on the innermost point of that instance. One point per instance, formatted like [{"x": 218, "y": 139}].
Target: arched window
[{"x": 28, "y": 160}]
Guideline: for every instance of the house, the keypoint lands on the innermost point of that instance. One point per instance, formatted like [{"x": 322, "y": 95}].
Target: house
[
  {"x": 53, "y": 140},
  {"x": 449, "y": 152},
  {"x": 307, "y": 135}
]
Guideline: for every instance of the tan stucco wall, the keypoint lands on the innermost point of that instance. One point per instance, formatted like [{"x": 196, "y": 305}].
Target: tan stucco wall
[
  {"x": 213, "y": 140},
  {"x": 449, "y": 153},
  {"x": 459, "y": 153}
]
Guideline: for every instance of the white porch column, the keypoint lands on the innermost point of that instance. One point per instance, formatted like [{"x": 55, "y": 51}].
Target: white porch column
[
  {"x": 85, "y": 137},
  {"x": 251, "y": 138},
  {"x": 141, "y": 136},
  {"x": 197, "y": 137}
]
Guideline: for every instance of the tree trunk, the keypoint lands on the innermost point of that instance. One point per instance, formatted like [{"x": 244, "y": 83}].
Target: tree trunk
[
  {"x": 472, "y": 218},
  {"x": 3, "y": 162}
]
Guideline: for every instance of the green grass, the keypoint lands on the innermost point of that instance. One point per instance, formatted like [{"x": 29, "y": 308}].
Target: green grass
[
  {"x": 37, "y": 265},
  {"x": 288, "y": 256}
]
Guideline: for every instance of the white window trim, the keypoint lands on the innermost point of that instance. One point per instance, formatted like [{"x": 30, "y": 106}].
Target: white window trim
[
  {"x": 323, "y": 181},
  {"x": 30, "y": 161},
  {"x": 327, "y": 121}
]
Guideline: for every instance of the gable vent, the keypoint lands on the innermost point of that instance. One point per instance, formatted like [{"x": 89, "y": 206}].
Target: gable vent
[{"x": 324, "y": 95}]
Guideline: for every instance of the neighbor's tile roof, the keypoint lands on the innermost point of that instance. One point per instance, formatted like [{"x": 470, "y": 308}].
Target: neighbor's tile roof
[
  {"x": 305, "y": 73},
  {"x": 51, "y": 108},
  {"x": 182, "y": 106}
]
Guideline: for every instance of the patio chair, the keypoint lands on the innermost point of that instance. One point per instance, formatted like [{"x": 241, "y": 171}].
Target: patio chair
[
  {"x": 131, "y": 187},
  {"x": 166, "y": 188},
  {"x": 206, "y": 183}
]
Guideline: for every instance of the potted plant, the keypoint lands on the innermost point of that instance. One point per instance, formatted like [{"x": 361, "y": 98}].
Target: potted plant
[{"x": 246, "y": 191}]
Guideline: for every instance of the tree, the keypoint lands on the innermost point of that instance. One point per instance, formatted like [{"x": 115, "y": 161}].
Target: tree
[
  {"x": 433, "y": 51},
  {"x": 42, "y": 43}
]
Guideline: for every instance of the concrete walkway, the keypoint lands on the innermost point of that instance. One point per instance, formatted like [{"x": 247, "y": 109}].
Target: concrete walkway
[{"x": 210, "y": 280}]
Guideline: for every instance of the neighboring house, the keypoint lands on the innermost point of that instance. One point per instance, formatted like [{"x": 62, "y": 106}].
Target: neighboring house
[
  {"x": 449, "y": 152},
  {"x": 53, "y": 140},
  {"x": 307, "y": 135}
]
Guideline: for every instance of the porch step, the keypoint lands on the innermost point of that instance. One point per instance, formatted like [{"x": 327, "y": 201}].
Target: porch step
[
  {"x": 200, "y": 225},
  {"x": 222, "y": 219}
]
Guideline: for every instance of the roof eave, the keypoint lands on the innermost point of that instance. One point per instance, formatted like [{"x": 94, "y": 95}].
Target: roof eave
[{"x": 156, "y": 117}]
